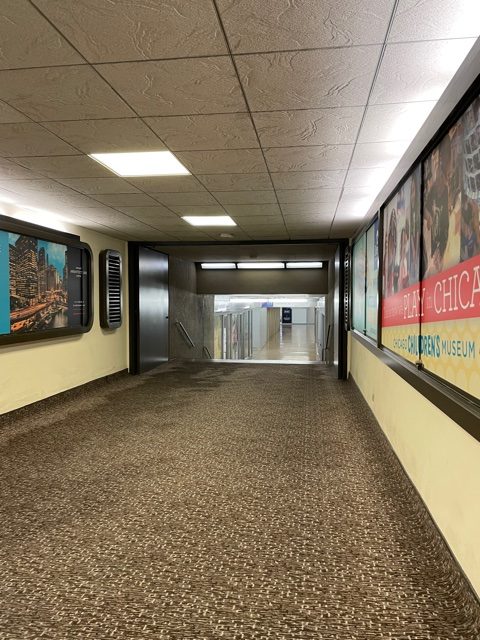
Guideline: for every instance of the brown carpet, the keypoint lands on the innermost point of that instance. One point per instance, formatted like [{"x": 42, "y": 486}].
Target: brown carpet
[{"x": 218, "y": 501}]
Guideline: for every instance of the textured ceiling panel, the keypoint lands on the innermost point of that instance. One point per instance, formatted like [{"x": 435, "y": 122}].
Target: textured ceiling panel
[
  {"x": 106, "y": 31},
  {"x": 435, "y": 20},
  {"x": 216, "y": 131},
  {"x": 308, "y": 79},
  {"x": 273, "y": 25},
  {"x": 177, "y": 87},
  {"x": 108, "y": 135},
  {"x": 332, "y": 105},
  {"x": 308, "y": 126},
  {"x": 61, "y": 93},
  {"x": 28, "y": 40}
]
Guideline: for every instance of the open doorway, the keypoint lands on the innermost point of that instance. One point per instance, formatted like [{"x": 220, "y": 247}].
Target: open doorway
[{"x": 288, "y": 328}]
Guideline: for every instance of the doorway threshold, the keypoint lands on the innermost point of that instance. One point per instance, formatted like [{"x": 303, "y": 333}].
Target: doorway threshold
[{"x": 242, "y": 361}]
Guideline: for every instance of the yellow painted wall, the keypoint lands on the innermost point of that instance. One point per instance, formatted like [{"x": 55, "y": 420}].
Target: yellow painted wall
[
  {"x": 442, "y": 460},
  {"x": 37, "y": 370}
]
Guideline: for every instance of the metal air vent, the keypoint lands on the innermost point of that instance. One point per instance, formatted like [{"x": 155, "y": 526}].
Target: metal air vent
[{"x": 110, "y": 289}]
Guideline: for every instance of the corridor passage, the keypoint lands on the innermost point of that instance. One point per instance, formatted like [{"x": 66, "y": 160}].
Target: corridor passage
[
  {"x": 217, "y": 501},
  {"x": 293, "y": 342}
]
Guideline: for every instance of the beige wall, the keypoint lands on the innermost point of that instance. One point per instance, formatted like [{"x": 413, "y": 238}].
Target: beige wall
[
  {"x": 37, "y": 370},
  {"x": 442, "y": 460}
]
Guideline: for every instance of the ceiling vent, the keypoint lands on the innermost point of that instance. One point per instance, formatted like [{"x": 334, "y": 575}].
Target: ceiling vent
[{"x": 110, "y": 289}]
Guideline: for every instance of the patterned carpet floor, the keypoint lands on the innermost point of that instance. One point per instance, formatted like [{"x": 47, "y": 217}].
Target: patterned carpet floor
[{"x": 217, "y": 501}]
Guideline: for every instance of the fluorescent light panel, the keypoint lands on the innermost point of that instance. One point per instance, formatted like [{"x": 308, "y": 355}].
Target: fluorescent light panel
[
  {"x": 145, "y": 163},
  {"x": 209, "y": 221},
  {"x": 218, "y": 265},
  {"x": 260, "y": 265},
  {"x": 304, "y": 265}
]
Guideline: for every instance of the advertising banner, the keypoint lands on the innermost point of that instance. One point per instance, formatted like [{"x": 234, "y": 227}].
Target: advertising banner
[
  {"x": 450, "y": 296},
  {"x": 372, "y": 281},
  {"x": 401, "y": 269},
  {"x": 43, "y": 285}
]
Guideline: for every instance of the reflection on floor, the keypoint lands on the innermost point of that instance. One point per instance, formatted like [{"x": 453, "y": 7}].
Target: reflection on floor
[
  {"x": 205, "y": 502},
  {"x": 293, "y": 342}
]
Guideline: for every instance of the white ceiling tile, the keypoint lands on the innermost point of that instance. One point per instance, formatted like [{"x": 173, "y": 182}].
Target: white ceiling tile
[
  {"x": 30, "y": 139},
  {"x": 126, "y": 200},
  {"x": 248, "y": 222},
  {"x": 418, "y": 71},
  {"x": 308, "y": 126},
  {"x": 390, "y": 122},
  {"x": 137, "y": 30},
  {"x": 237, "y": 181},
  {"x": 318, "y": 158},
  {"x": 168, "y": 184},
  {"x": 65, "y": 166},
  {"x": 275, "y": 235},
  {"x": 200, "y": 210},
  {"x": 312, "y": 208},
  {"x": 157, "y": 211},
  {"x": 282, "y": 24},
  {"x": 245, "y": 197},
  {"x": 92, "y": 186},
  {"x": 308, "y": 179},
  {"x": 9, "y": 114},
  {"x": 308, "y": 79},
  {"x": 108, "y": 135},
  {"x": 308, "y": 220},
  {"x": 177, "y": 87},
  {"x": 47, "y": 187},
  {"x": 223, "y": 161},
  {"x": 9, "y": 169},
  {"x": 378, "y": 154},
  {"x": 28, "y": 40},
  {"x": 61, "y": 93},
  {"x": 308, "y": 195},
  {"x": 253, "y": 209},
  {"x": 202, "y": 132},
  {"x": 181, "y": 199},
  {"x": 435, "y": 20},
  {"x": 374, "y": 179}
]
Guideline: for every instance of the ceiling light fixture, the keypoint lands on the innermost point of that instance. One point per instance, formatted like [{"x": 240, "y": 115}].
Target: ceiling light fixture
[
  {"x": 218, "y": 265},
  {"x": 304, "y": 265},
  {"x": 260, "y": 265},
  {"x": 144, "y": 163},
  {"x": 209, "y": 221}
]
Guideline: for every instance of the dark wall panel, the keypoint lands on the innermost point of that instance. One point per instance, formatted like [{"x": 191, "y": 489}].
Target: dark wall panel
[{"x": 313, "y": 281}]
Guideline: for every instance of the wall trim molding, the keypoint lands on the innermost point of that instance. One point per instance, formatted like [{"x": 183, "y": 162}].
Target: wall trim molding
[{"x": 465, "y": 413}]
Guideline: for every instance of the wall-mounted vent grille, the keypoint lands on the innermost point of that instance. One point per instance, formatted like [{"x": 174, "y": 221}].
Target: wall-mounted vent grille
[{"x": 110, "y": 289}]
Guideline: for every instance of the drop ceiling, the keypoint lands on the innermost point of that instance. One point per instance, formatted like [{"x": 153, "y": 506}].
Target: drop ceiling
[{"x": 290, "y": 115}]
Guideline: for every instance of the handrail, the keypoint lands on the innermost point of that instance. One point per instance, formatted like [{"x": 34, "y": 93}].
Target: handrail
[
  {"x": 185, "y": 333},
  {"x": 207, "y": 351}
]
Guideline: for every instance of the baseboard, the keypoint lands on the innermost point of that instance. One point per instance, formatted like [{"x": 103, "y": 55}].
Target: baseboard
[
  {"x": 417, "y": 492},
  {"x": 68, "y": 394}
]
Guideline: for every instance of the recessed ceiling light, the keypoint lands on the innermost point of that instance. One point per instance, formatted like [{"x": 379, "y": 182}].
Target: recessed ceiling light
[
  {"x": 218, "y": 265},
  {"x": 145, "y": 163},
  {"x": 304, "y": 265},
  {"x": 210, "y": 221},
  {"x": 260, "y": 265}
]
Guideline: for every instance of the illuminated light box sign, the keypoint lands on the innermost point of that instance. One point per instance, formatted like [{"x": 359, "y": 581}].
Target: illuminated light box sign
[{"x": 44, "y": 287}]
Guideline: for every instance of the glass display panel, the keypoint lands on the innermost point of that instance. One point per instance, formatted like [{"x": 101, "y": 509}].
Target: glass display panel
[
  {"x": 44, "y": 286},
  {"x": 451, "y": 256},
  {"x": 372, "y": 281},
  {"x": 401, "y": 297}
]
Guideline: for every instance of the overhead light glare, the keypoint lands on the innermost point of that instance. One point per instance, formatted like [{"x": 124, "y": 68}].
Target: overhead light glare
[
  {"x": 260, "y": 265},
  {"x": 218, "y": 265},
  {"x": 210, "y": 221},
  {"x": 304, "y": 265},
  {"x": 144, "y": 163}
]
